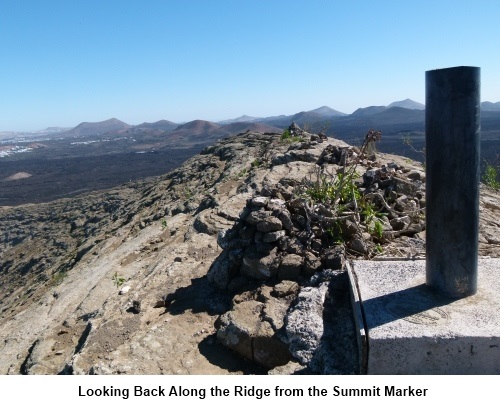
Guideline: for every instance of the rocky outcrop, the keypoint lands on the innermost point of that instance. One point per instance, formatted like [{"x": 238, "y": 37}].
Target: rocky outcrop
[{"x": 243, "y": 247}]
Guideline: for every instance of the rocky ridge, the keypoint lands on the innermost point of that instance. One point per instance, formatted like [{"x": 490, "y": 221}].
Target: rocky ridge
[{"x": 233, "y": 263}]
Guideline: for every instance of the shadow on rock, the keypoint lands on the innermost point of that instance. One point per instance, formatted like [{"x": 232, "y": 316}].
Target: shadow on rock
[
  {"x": 227, "y": 359},
  {"x": 337, "y": 352},
  {"x": 200, "y": 296}
]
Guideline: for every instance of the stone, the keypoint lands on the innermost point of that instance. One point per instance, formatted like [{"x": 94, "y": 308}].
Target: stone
[
  {"x": 400, "y": 203},
  {"x": 308, "y": 155},
  {"x": 237, "y": 283},
  {"x": 285, "y": 288},
  {"x": 209, "y": 222},
  {"x": 401, "y": 186},
  {"x": 290, "y": 267},
  {"x": 243, "y": 331},
  {"x": 304, "y": 323},
  {"x": 276, "y": 205},
  {"x": 269, "y": 224},
  {"x": 257, "y": 216},
  {"x": 370, "y": 176},
  {"x": 136, "y": 307},
  {"x": 416, "y": 175},
  {"x": 358, "y": 245},
  {"x": 316, "y": 245},
  {"x": 237, "y": 327},
  {"x": 348, "y": 227},
  {"x": 223, "y": 269},
  {"x": 274, "y": 310},
  {"x": 273, "y": 236},
  {"x": 260, "y": 201},
  {"x": 400, "y": 223},
  {"x": 124, "y": 290},
  {"x": 270, "y": 352},
  {"x": 295, "y": 130},
  {"x": 259, "y": 265},
  {"x": 258, "y": 237},
  {"x": 286, "y": 220},
  {"x": 312, "y": 264},
  {"x": 247, "y": 232},
  {"x": 334, "y": 258}
]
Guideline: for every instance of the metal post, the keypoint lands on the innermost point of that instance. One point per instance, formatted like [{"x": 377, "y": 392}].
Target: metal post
[{"x": 452, "y": 131}]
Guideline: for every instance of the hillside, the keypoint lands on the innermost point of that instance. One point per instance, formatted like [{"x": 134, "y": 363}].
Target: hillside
[
  {"x": 163, "y": 125},
  {"x": 96, "y": 128},
  {"x": 169, "y": 275}
]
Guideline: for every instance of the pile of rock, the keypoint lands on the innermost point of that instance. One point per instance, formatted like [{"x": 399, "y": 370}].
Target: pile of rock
[
  {"x": 286, "y": 240},
  {"x": 272, "y": 241},
  {"x": 291, "y": 238}
]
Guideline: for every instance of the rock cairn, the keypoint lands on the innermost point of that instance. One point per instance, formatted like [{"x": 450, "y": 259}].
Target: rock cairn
[{"x": 287, "y": 236}]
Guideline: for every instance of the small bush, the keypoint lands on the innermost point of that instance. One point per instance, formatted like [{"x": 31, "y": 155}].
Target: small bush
[
  {"x": 256, "y": 163},
  {"x": 490, "y": 177},
  {"x": 286, "y": 137},
  {"x": 117, "y": 280}
]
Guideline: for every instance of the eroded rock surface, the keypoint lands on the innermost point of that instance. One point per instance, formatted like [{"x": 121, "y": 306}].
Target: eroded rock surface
[{"x": 223, "y": 266}]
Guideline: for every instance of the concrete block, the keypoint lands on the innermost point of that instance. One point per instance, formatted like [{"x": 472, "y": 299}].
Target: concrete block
[{"x": 405, "y": 327}]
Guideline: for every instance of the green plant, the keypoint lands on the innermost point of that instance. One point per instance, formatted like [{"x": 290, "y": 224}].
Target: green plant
[
  {"x": 286, "y": 137},
  {"x": 336, "y": 189},
  {"x": 335, "y": 234},
  {"x": 371, "y": 218},
  {"x": 490, "y": 177},
  {"x": 378, "y": 228},
  {"x": 187, "y": 192},
  {"x": 164, "y": 224},
  {"x": 340, "y": 194},
  {"x": 240, "y": 174},
  {"x": 256, "y": 163},
  {"x": 57, "y": 278},
  {"x": 117, "y": 280}
]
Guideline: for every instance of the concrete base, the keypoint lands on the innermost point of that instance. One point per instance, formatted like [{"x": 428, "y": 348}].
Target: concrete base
[{"x": 406, "y": 328}]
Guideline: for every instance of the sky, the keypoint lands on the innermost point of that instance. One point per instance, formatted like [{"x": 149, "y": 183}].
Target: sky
[{"x": 66, "y": 62}]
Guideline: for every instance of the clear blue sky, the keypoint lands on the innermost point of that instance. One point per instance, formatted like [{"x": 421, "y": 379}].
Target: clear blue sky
[{"x": 64, "y": 62}]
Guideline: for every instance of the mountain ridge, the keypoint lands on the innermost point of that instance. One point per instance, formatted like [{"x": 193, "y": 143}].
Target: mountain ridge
[
  {"x": 106, "y": 282},
  {"x": 317, "y": 114},
  {"x": 96, "y": 128}
]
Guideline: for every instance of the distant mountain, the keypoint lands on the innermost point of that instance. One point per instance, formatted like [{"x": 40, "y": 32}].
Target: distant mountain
[
  {"x": 54, "y": 129},
  {"x": 366, "y": 111},
  {"x": 198, "y": 127},
  {"x": 239, "y": 127},
  {"x": 301, "y": 117},
  {"x": 327, "y": 112},
  {"x": 163, "y": 125},
  {"x": 49, "y": 132},
  {"x": 96, "y": 128},
  {"x": 399, "y": 115},
  {"x": 200, "y": 132},
  {"x": 243, "y": 118},
  {"x": 409, "y": 104},
  {"x": 489, "y": 106},
  {"x": 306, "y": 116}
]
